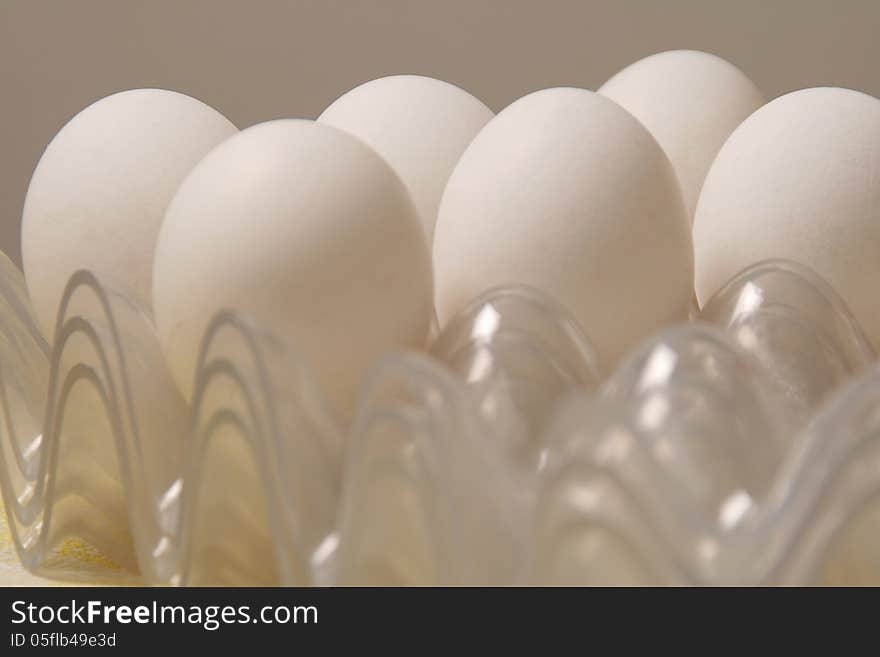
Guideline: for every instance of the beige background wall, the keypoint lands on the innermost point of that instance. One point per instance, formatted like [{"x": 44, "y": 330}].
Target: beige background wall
[{"x": 259, "y": 59}]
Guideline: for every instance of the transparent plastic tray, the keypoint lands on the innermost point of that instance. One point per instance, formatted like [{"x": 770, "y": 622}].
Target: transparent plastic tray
[{"x": 741, "y": 448}]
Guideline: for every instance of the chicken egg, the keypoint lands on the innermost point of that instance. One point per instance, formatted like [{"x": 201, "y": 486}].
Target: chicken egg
[
  {"x": 567, "y": 192},
  {"x": 418, "y": 124},
  {"x": 690, "y": 101},
  {"x": 800, "y": 180},
  {"x": 99, "y": 192},
  {"x": 305, "y": 229}
]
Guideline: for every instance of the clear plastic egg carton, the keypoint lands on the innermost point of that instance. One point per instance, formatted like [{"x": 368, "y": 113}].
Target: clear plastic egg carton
[{"x": 741, "y": 448}]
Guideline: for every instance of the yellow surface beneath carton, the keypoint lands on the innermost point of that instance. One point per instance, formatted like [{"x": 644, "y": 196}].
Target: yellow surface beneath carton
[{"x": 70, "y": 557}]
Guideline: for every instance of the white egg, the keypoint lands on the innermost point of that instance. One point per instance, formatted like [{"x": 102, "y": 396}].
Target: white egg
[
  {"x": 799, "y": 179},
  {"x": 307, "y": 230},
  {"x": 419, "y": 125},
  {"x": 99, "y": 193},
  {"x": 565, "y": 191},
  {"x": 690, "y": 101}
]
